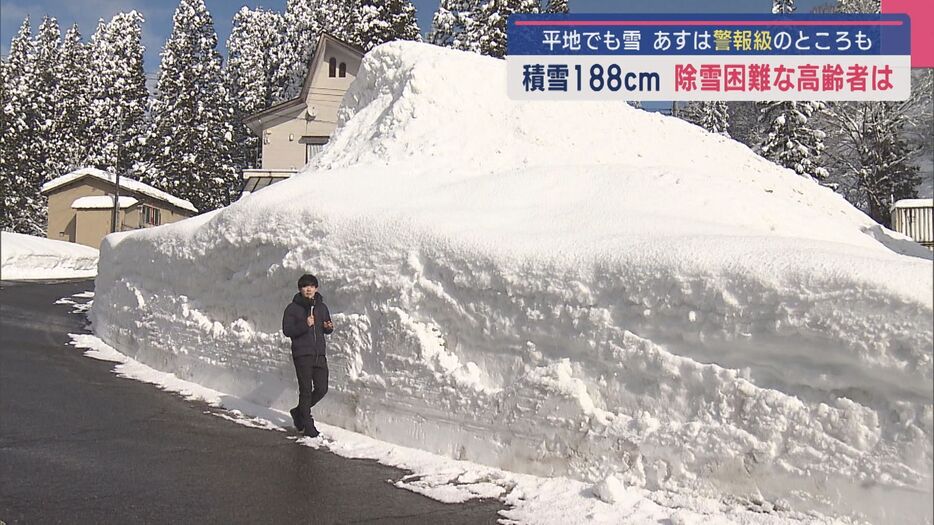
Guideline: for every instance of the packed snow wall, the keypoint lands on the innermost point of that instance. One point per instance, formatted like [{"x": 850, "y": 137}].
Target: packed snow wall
[{"x": 561, "y": 289}]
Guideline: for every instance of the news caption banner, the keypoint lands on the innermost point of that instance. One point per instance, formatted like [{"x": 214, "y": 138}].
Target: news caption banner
[{"x": 708, "y": 57}]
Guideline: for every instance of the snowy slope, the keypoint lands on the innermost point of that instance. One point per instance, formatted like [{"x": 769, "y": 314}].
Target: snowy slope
[
  {"x": 577, "y": 289},
  {"x": 29, "y": 257}
]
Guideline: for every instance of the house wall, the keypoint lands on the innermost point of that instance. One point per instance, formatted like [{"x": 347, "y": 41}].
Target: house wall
[
  {"x": 84, "y": 226},
  {"x": 279, "y": 152},
  {"x": 323, "y": 99},
  {"x": 94, "y": 225}
]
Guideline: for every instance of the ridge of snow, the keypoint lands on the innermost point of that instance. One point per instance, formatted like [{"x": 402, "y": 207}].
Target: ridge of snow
[
  {"x": 29, "y": 257},
  {"x": 581, "y": 290}
]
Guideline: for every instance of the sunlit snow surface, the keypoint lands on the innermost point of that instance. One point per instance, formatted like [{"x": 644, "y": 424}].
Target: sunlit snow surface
[
  {"x": 30, "y": 257},
  {"x": 581, "y": 290}
]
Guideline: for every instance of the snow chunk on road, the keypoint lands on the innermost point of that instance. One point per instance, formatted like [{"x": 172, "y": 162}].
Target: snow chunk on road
[
  {"x": 582, "y": 290},
  {"x": 29, "y": 257}
]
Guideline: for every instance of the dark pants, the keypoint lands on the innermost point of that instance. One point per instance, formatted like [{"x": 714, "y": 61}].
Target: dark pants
[{"x": 312, "y": 375}]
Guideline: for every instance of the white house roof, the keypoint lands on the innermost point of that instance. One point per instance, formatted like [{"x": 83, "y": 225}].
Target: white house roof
[
  {"x": 914, "y": 203},
  {"x": 125, "y": 183},
  {"x": 100, "y": 202}
]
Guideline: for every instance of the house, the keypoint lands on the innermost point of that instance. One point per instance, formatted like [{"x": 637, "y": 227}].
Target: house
[
  {"x": 81, "y": 206},
  {"x": 296, "y": 130},
  {"x": 915, "y": 218}
]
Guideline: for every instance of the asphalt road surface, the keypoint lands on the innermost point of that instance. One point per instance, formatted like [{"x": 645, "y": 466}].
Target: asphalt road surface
[{"x": 80, "y": 445}]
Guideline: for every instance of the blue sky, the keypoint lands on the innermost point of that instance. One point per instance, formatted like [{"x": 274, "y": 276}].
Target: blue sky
[{"x": 158, "y": 14}]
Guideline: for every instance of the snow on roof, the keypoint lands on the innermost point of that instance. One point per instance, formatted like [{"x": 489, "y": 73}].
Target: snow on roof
[
  {"x": 95, "y": 202},
  {"x": 125, "y": 183},
  {"x": 914, "y": 203}
]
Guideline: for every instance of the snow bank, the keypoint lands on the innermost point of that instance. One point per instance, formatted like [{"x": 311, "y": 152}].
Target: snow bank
[
  {"x": 29, "y": 257},
  {"x": 582, "y": 290}
]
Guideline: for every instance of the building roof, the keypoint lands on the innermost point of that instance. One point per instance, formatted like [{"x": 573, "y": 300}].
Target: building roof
[
  {"x": 914, "y": 203},
  {"x": 102, "y": 202},
  {"x": 125, "y": 183},
  {"x": 306, "y": 85}
]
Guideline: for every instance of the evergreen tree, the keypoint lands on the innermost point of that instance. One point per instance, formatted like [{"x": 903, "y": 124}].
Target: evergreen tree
[
  {"x": 117, "y": 84},
  {"x": 20, "y": 177},
  {"x": 744, "y": 123},
  {"x": 791, "y": 141},
  {"x": 487, "y": 33},
  {"x": 304, "y": 21},
  {"x": 251, "y": 65},
  {"x": 450, "y": 22},
  {"x": 42, "y": 151},
  {"x": 380, "y": 21},
  {"x": 191, "y": 133},
  {"x": 783, "y": 7},
  {"x": 859, "y": 6},
  {"x": 713, "y": 116},
  {"x": 71, "y": 133},
  {"x": 557, "y": 7}
]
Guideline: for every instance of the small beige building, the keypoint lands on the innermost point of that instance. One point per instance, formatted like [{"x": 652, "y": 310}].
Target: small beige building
[
  {"x": 296, "y": 130},
  {"x": 81, "y": 206},
  {"x": 915, "y": 218}
]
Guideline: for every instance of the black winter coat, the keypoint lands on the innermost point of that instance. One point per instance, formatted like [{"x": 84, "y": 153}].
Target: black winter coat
[{"x": 305, "y": 340}]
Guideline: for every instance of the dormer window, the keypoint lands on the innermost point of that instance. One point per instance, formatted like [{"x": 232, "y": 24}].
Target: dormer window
[
  {"x": 343, "y": 69},
  {"x": 332, "y": 67}
]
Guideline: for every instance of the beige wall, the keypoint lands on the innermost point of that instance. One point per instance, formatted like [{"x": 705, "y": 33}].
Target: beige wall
[
  {"x": 324, "y": 98},
  {"x": 89, "y": 227},
  {"x": 279, "y": 151},
  {"x": 94, "y": 225}
]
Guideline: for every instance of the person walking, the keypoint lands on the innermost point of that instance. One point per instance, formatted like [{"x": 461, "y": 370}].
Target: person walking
[{"x": 306, "y": 321}]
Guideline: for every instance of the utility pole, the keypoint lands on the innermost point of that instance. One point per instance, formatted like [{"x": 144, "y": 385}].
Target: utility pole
[{"x": 116, "y": 211}]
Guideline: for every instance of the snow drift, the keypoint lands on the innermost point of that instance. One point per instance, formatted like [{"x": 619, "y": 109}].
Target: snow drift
[
  {"x": 579, "y": 289},
  {"x": 30, "y": 257}
]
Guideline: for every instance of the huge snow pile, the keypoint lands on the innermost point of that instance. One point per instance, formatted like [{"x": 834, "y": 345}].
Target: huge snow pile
[
  {"x": 29, "y": 257},
  {"x": 580, "y": 289}
]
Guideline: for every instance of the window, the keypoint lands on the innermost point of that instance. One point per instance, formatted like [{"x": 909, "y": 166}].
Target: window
[
  {"x": 150, "y": 216},
  {"x": 332, "y": 67},
  {"x": 313, "y": 146},
  {"x": 312, "y": 151},
  {"x": 343, "y": 69}
]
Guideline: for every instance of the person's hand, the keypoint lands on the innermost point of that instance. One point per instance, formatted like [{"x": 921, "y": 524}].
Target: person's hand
[
  {"x": 310, "y": 320},
  {"x": 328, "y": 325}
]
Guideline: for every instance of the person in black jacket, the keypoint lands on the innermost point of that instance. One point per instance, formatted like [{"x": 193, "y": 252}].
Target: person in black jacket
[{"x": 306, "y": 321}]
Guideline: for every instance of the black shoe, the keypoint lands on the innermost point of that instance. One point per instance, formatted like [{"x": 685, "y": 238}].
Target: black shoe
[
  {"x": 310, "y": 430},
  {"x": 297, "y": 419}
]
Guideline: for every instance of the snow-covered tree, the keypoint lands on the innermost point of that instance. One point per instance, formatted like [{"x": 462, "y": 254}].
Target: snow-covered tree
[
  {"x": 714, "y": 116},
  {"x": 791, "y": 140},
  {"x": 859, "y": 6},
  {"x": 450, "y": 22},
  {"x": 557, "y": 7},
  {"x": 191, "y": 132},
  {"x": 20, "y": 177},
  {"x": 487, "y": 33},
  {"x": 42, "y": 150},
  {"x": 302, "y": 22},
  {"x": 876, "y": 149},
  {"x": 73, "y": 98},
  {"x": 783, "y": 7},
  {"x": 117, "y": 86},
  {"x": 744, "y": 123},
  {"x": 380, "y": 21},
  {"x": 251, "y": 66}
]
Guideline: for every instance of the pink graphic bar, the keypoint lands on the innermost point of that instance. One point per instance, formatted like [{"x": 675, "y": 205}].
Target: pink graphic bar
[
  {"x": 921, "y": 13},
  {"x": 707, "y": 23}
]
